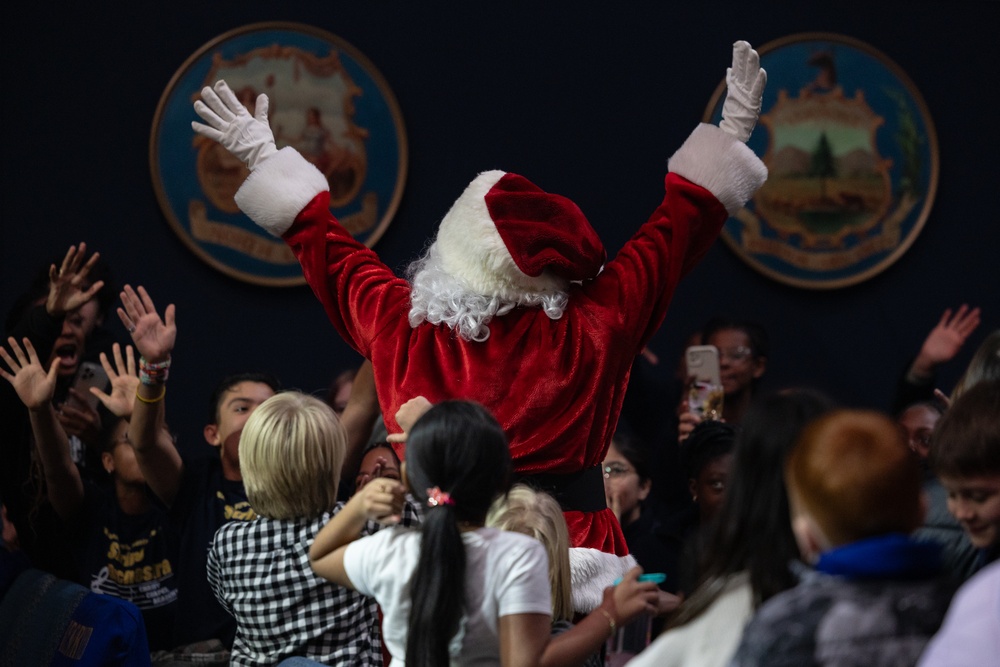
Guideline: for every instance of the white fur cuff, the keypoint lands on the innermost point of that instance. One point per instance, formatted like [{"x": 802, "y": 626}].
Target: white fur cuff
[
  {"x": 278, "y": 189},
  {"x": 591, "y": 571},
  {"x": 720, "y": 163}
]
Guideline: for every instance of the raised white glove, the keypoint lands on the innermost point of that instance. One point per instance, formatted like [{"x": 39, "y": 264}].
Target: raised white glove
[
  {"x": 745, "y": 81},
  {"x": 247, "y": 137}
]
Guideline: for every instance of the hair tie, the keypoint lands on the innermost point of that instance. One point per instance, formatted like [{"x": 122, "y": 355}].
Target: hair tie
[{"x": 435, "y": 497}]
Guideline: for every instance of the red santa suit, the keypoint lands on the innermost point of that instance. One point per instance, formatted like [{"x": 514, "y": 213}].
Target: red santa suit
[{"x": 555, "y": 385}]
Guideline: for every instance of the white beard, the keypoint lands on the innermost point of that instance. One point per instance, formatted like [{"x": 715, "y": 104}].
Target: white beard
[{"x": 438, "y": 297}]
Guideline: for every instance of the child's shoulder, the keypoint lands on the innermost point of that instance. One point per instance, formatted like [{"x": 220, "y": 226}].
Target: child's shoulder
[
  {"x": 819, "y": 595},
  {"x": 504, "y": 544},
  {"x": 393, "y": 539},
  {"x": 495, "y": 536},
  {"x": 261, "y": 530}
]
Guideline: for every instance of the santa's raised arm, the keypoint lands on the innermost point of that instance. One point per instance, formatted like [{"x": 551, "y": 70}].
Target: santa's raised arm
[{"x": 510, "y": 306}]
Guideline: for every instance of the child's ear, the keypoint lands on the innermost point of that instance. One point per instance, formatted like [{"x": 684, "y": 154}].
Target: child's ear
[
  {"x": 644, "y": 489},
  {"x": 211, "y": 433},
  {"x": 108, "y": 461},
  {"x": 402, "y": 475},
  {"x": 808, "y": 538}
]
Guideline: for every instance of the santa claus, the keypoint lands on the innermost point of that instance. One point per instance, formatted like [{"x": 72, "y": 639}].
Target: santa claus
[{"x": 512, "y": 305}]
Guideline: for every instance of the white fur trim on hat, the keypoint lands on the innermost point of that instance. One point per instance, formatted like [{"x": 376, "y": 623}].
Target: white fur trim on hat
[
  {"x": 471, "y": 249},
  {"x": 278, "y": 189},
  {"x": 720, "y": 163},
  {"x": 591, "y": 571}
]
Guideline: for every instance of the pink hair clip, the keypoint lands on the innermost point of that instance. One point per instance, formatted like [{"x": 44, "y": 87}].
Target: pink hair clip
[{"x": 435, "y": 497}]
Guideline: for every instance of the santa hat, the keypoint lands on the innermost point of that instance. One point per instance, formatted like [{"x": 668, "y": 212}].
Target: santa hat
[{"x": 504, "y": 234}]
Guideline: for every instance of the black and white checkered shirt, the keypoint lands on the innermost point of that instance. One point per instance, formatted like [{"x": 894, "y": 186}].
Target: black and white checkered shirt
[{"x": 259, "y": 571}]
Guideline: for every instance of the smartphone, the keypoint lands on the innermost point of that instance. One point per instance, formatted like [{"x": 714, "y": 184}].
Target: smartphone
[
  {"x": 705, "y": 392},
  {"x": 90, "y": 374},
  {"x": 655, "y": 577}
]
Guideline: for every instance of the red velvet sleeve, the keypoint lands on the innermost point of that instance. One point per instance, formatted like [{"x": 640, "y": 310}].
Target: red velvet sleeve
[
  {"x": 643, "y": 276},
  {"x": 359, "y": 293}
]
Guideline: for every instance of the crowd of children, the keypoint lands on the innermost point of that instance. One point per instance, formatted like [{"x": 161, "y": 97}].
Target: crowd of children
[{"x": 834, "y": 536}]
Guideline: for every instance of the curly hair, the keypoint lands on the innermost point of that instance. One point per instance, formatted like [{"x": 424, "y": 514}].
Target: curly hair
[{"x": 439, "y": 298}]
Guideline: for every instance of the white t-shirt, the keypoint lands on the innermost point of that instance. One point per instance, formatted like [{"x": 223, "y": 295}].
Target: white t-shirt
[{"x": 506, "y": 573}]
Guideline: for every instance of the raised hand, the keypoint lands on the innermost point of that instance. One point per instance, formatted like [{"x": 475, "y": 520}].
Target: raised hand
[
  {"x": 153, "y": 337},
  {"x": 745, "y": 82},
  {"x": 67, "y": 289},
  {"x": 34, "y": 385},
  {"x": 247, "y": 137},
  {"x": 124, "y": 382},
  {"x": 946, "y": 339},
  {"x": 686, "y": 421},
  {"x": 407, "y": 416}
]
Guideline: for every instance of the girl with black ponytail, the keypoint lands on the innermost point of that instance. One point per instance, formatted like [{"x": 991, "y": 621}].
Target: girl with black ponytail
[{"x": 453, "y": 592}]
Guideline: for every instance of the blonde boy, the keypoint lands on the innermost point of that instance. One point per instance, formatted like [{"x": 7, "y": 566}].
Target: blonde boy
[
  {"x": 876, "y": 595},
  {"x": 291, "y": 453}
]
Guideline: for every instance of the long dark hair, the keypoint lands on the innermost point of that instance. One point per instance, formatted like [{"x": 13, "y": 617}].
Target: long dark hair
[
  {"x": 753, "y": 531},
  {"x": 458, "y": 447}
]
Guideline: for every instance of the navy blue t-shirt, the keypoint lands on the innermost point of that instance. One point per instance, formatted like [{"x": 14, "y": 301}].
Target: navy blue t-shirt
[
  {"x": 205, "y": 501},
  {"x": 131, "y": 557}
]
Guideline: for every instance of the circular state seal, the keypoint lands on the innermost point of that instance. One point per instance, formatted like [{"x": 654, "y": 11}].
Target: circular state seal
[
  {"x": 852, "y": 158},
  {"x": 326, "y": 100}
]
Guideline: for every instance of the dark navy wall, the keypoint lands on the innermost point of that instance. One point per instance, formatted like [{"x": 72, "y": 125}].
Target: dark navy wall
[{"x": 586, "y": 99}]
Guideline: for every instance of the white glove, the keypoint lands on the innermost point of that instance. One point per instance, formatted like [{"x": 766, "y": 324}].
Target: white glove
[
  {"x": 247, "y": 137},
  {"x": 745, "y": 80}
]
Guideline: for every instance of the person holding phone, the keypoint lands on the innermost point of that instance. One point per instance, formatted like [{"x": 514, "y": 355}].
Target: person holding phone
[
  {"x": 750, "y": 546},
  {"x": 742, "y": 352}
]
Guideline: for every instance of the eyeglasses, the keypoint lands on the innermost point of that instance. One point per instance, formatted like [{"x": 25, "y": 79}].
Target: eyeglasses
[
  {"x": 735, "y": 353},
  {"x": 616, "y": 470}
]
